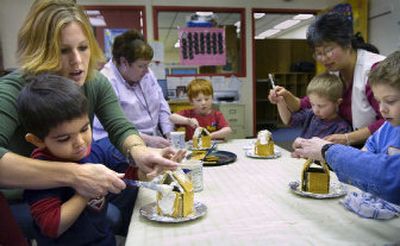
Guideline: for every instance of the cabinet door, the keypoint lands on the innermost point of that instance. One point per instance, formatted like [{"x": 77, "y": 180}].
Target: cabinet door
[
  {"x": 233, "y": 113},
  {"x": 237, "y": 132}
]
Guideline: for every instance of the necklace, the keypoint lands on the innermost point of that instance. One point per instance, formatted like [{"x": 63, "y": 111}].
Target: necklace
[{"x": 144, "y": 104}]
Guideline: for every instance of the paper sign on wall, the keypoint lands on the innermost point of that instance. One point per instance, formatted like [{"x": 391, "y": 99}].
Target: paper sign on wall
[{"x": 202, "y": 46}]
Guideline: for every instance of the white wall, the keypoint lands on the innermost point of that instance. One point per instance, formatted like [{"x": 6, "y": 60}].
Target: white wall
[
  {"x": 12, "y": 10},
  {"x": 298, "y": 33},
  {"x": 384, "y": 25},
  {"x": 12, "y": 14}
]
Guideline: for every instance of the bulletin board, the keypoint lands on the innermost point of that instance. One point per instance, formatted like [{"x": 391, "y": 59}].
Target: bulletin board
[
  {"x": 202, "y": 46},
  {"x": 109, "y": 36}
]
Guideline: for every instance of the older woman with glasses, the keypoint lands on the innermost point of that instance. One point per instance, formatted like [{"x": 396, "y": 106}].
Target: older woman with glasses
[
  {"x": 341, "y": 52},
  {"x": 137, "y": 90}
]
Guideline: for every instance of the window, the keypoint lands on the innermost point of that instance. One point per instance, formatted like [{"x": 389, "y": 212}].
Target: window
[{"x": 226, "y": 24}]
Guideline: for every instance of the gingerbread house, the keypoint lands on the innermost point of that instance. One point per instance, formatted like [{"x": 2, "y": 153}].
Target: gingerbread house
[
  {"x": 201, "y": 138},
  {"x": 180, "y": 201},
  {"x": 315, "y": 178},
  {"x": 264, "y": 145}
]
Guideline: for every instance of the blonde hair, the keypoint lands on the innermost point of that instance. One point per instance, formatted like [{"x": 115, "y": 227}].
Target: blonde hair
[
  {"x": 39, "y": 38},
  {"x": 387, "y": 72},
  {"x": 326, "y": 85},
  {"x": 198, "y": 86}
]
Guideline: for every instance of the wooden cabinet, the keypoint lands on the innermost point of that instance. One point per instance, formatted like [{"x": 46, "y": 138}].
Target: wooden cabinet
[
  {"x": 234, "y": 114},
  {"x": 283, "y": 58}
]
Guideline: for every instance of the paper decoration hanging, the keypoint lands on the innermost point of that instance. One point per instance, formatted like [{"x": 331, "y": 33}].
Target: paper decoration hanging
[{"x": 202, "y": 46}]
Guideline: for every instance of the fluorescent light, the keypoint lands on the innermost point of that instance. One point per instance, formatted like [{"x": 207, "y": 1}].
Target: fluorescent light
[
  {"x": 258, "y": 15},
  {"x": 203, "y": 13},
  {"x": 303, "y": 17},
  {"x": 267, "y": 33},
  {"x": 92, "y": 12},
  {"x": 97, "y": 21},
  {"x": 286, "y": 24}
]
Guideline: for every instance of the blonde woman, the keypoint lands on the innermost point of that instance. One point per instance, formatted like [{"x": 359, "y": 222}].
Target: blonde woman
[{"x": 56, "y": 37}]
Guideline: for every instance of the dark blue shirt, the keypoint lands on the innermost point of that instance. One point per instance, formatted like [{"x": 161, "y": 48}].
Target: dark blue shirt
[
  {"x": 314, "y": 126},
  {"x": 378, "y": 174},
  {"x": 91, "y": 227}
]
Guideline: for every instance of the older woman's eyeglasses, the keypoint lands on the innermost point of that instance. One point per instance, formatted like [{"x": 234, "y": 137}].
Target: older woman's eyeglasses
[{"x": 326, "y": 53}]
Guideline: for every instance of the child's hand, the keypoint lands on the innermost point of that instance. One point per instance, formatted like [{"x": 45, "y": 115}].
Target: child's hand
[
  {"x": 277, "y": 95},
  {"x": 192, "y": 122}
]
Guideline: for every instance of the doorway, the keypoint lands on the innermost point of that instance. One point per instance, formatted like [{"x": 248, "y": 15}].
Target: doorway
[{"x": 280, "y": 49}]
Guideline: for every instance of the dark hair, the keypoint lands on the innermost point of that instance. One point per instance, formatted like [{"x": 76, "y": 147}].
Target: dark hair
[
  {"x": 132, "y": 46},
  {"x": 359, "y": 43},
  {"x": 47, "y": 101},
  {"x": 337, "y": 28},
  {"x": 387, "y": 72}
]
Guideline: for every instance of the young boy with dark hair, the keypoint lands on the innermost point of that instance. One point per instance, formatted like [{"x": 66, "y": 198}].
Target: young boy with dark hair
[
  {"x": 54, "y": 111},
  {"x": 200, "y": 93}
]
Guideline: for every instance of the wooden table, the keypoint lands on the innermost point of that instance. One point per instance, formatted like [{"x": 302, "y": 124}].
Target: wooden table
[{"x": 249, "y": 203}]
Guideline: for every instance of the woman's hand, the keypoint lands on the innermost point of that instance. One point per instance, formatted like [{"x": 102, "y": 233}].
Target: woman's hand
[
  {"x": 95, "y": 180},
  {"x": 155, "y": 141},
  {"x": 176, "y": 156},
  {"x": 309, "y": 148},
  {"x": 154, "y": 161},
  {"x": 337, "y": 138},
  {"x": 173, "y": 155}
]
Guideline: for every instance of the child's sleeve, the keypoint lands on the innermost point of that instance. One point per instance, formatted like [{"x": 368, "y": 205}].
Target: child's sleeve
[
  {"x": 305, "y": 103},
  {"x": 371, "y": 144},
  {"x": 46, "y": 212},
  {"x": 132, "y": 173},
  {"x": 343, "y": 127},
  {"x": 299, "y": 118}
]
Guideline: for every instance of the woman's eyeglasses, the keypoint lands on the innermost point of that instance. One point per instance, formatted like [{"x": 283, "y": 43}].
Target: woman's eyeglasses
[{"x": 326, "y": 53}]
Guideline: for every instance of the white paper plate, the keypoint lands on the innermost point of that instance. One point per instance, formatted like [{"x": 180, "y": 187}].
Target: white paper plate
[
  {"x": 149, "y": 211},
  {"x": 336, "y": 189},
  {"x": 250, "y": 153},
  {"x": 249, "y": 145}
]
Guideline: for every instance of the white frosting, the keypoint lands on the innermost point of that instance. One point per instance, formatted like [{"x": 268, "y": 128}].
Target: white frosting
[
  {"x": 264, "y": 136},
  {"x": 166, "y": 203},
  {"x": 197, "y": 132},
  {"x": 163, "y": 188}
]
